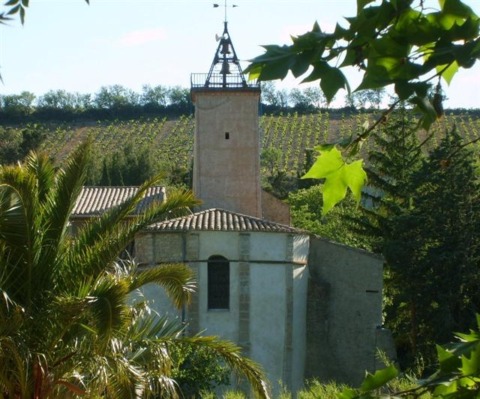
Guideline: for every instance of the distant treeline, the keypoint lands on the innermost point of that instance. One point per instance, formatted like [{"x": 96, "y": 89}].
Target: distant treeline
[
  {"x": 110, "y": 102},
  {"x": 119, "y": 102}
]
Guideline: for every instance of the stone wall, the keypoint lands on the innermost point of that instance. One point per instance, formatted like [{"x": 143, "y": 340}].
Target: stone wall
[
  {"x": 344, "y": 313},
  {"x": 268, "y": 289},
  {"x": 226, "y": 170},
  {"x": 274, "y": 209}
]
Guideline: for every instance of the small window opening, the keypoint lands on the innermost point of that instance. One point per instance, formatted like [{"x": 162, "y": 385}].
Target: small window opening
[
  {"x": 227, "y": 135},
  {"x": 218, "y": 282}
]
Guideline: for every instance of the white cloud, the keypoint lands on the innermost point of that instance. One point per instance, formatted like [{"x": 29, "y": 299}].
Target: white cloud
[{"x": 139, "y": 37}]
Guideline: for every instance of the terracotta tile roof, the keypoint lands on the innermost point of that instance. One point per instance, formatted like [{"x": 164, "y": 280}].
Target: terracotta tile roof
[
  {"x": 221, "y": 220},
  {"x": 93, "y": 201}
]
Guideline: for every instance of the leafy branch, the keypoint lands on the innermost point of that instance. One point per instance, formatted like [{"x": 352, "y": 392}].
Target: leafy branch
[
  {"x": 393, "y": 44},
  {"x": 17, "y": 7}
]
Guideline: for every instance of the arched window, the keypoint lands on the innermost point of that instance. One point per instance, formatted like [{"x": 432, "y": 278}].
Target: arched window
[{"x": 218, "y": 282}]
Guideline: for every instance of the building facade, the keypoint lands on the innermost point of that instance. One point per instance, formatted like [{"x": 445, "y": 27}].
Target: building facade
[{"x": 301, "y": 306}]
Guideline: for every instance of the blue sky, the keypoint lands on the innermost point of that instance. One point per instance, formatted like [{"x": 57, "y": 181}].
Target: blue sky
[{"x": 66, "y": 44}]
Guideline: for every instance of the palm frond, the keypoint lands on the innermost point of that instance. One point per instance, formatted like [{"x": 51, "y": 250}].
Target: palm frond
[
  {"x": 102, "y": 240},
  {"x": 60, "y": 200},
  {"x": 39, "y": 167},
  {"x": 108, "y": 305},
  {"x": 21, "y": 232},
  {"x": 19, "y": 207},
  {"x": 14, "y": 366},
  {"x": 149, "y": 326},
  {"x": 177, "y": 280}
]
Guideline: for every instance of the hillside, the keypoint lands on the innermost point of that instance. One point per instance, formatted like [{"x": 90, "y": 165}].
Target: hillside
[{"x": 170, "y": 142}]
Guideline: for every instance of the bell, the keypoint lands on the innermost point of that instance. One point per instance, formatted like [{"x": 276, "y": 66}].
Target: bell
[
  {"x": 225, "y": 48},
  {"x": 225, "y": 68}
]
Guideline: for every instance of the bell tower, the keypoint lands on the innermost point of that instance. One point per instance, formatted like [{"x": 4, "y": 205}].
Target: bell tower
[{"x": 226, "y": 168}]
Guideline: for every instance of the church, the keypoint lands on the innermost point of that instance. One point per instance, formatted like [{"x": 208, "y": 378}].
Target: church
[{"x": 301, "y": 306}]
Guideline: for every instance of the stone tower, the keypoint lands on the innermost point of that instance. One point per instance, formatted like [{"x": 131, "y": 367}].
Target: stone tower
[{"x": 226, "y": 169}]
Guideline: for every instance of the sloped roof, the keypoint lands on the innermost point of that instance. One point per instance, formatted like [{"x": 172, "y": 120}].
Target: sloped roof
[
  {"x": 94, "y": 201},
  {"x": 221, "y": 220}
]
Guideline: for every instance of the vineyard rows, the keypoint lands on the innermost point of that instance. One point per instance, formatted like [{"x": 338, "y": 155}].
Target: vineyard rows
[{"x": 171, "y": 141}]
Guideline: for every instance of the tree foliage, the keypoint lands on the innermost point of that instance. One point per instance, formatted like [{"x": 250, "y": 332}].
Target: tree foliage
[
  {"x": 198, "y": 370},
  {"x": 127, "y": 166},
  {"x": 17, "y": 7},
  {"x": 307, "y": 213},
  {"x": 395, "y": 43},
  {"x": 423, "y": 214}
]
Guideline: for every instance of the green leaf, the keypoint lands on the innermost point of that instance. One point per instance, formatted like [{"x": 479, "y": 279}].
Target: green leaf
[
  {"x": 405, "y": 90},
  {"x": 334, "y": 190},
  {"x": 273, "y": 64},
  {"x": 380, "y": 378},
  {"x": 320, "y": 69},
  {"x": 362, "y": 3},
  {"x": 471, "y": 365},
  {"x": 447, "y": 360},
  {"x": 22, "y": 15},
  {"x": 387, "y": 46},
  {"x": 355, "y": 177},
  {"x": 328, "y": 162},
  {"x": 333, "y": 81},
  {"x": 301, "y": 65},
  {"x": 429, "y": 114},
  {"x": 446, "y": 390},
  {"x": 456, "y": 7},
  {"x": 347, "y": 393},
  {"x": 339, "y": 176},
  {"x": 448, "y": 72},
  {"x": 14, "y": 10}
]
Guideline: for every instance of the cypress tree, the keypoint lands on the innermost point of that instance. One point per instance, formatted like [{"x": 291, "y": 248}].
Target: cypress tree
[{"x": 425, "y": 213}]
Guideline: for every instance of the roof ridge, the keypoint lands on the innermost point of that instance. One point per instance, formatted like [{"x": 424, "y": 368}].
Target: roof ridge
[
  {"x": 95, "y": 200},
  {"x": 218, "y": 219}
]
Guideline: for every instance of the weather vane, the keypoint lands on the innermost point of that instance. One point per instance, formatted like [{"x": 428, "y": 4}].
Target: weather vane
[{"x": 215, "y": 5}]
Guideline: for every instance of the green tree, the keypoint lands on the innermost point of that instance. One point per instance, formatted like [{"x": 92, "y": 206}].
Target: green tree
[
  {"x": 154, "y": 97},
  {"x": 127, "y": 166},
  {"x": 388, "y": 201},
  {"x": 445, "y": 242},
  {"x": 306, "y": 213},
  {"x": 18, "y": 105},
  {"x": 423, "y": 212},
  {"x": 179, "y": 99},
  {"x": 57, "y": 99},
  {"x": 272, "y": 96},
  {"x": 309, "y": 99},
  {"x": 198, "y": 370},
  {"x": 115, "y": 97},
  {"x": 364, "y": 99},
  {"x": 68, "y": 326},
  {"x": 315, "y": 97},
  {"x": 15, "y": 144}
]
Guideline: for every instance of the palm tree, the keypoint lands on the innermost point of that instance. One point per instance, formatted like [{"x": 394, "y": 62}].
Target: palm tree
[{"x": 68, "y": 324}]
